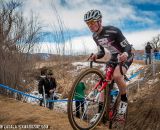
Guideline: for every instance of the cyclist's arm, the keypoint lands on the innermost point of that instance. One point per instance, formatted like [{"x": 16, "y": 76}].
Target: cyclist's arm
[
  {"x": 123, "y": 42},
  {"x": 128, "y": 48},
  {"x": 101, "y": 52}
]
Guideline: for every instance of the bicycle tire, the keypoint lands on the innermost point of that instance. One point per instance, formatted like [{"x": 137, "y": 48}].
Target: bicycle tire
[{"x": 71, "y": 117}]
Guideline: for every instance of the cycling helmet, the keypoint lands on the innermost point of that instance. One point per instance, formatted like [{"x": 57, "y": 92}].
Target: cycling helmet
[{"x": 93, "y": 15}]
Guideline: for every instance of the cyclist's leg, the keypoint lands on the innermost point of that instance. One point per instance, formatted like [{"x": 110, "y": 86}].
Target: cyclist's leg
[{"x": 119, "y": 79}]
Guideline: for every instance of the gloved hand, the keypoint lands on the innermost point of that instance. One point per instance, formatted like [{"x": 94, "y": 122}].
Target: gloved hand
[
  {"x": 122, "y": 57},
  {"x": 93, "y": 57}
]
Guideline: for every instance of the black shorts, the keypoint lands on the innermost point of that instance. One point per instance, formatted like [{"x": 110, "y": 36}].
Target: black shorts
[{"x": 127, "y": 63}]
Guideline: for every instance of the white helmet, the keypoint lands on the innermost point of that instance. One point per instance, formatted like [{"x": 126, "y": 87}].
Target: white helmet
[{"x": 93, "y": 15}]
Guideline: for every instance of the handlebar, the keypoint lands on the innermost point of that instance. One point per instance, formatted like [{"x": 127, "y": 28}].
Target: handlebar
[
  {"x": 110, "y": 62},
  {"x": 104, "y": 62}
]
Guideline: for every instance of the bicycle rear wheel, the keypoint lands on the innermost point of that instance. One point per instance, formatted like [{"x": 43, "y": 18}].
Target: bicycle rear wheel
[
  {"x": 92, "y": 104},
  {"x": 117, "y": 122}
]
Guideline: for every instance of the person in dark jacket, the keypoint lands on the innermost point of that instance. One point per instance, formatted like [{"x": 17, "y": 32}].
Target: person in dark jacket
[
  {"x": 50, "y": 85},
  {"x": 148, "y": 51}
]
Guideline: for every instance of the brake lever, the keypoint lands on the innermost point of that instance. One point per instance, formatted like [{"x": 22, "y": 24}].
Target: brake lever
[{"x": 90, "y": 56}]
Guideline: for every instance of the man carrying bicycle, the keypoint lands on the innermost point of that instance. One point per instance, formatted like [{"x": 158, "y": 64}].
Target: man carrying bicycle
[{"x": 111, "y": 38}]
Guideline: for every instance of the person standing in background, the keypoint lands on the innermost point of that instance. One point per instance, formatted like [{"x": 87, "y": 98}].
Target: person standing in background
[
  {"x": 148, "y": 52},
  {"x": 50, "y": 85},
  {"x": 156, "y": 54},
  {"x": 79, "y": 97}
]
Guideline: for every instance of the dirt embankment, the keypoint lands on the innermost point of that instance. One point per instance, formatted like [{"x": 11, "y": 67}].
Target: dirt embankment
[{"x": 144, "y": 113}]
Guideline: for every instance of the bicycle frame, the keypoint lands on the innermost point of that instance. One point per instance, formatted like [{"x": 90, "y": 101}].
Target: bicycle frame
[{"x": 108, "y": 77}]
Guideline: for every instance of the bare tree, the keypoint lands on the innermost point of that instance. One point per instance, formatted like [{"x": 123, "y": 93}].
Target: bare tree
[
  {"x": 156, "y": 42},
  {"x": 60, "y": 39},
  {"x": 17, "y": 36}
]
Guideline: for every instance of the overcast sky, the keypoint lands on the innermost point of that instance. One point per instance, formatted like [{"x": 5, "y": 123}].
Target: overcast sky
[{"x": 138, "y": 20}]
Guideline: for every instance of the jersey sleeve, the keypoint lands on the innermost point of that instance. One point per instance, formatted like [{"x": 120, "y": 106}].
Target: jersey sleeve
[
  {"x": 101, "y": 51},
  {"x": 123, "y": 42}
]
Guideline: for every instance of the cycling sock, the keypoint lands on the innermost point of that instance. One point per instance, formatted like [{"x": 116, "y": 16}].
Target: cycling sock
[{"x": 124, "y": 98}]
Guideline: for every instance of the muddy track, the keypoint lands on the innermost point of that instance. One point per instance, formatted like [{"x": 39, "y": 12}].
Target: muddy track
[{"x": 145, "y": 113}]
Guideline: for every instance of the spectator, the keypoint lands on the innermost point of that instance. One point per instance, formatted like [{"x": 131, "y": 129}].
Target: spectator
[
  {"x": 148, "y": 51},
  {"x": 79, "y": 97},
  {"x": 49, "y": 84},
  {"x": 43, "y": 72},
  {"x": 156, "y": 53},
  {"x": 43, "y": 75}
]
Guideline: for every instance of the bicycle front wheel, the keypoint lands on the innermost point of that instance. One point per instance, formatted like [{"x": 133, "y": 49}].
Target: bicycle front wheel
[{"x": 86, "y": 106}]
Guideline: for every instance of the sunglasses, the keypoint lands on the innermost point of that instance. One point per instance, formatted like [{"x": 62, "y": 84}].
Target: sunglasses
[{"x": 91, "y": 22}]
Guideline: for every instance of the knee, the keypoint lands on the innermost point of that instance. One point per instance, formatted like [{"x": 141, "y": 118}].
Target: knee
[{"x": 116, "y": 77}]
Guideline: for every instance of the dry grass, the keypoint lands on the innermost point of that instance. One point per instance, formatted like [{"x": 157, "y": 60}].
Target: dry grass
[{"x": 18, "y": 113}]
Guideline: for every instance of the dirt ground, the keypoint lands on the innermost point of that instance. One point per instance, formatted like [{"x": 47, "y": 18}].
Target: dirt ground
[
  {"x": 14, "y": 112},
  {"x": 144, "y": 113}
]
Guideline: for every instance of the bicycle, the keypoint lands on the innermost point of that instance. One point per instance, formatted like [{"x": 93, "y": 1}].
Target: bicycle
[{"x": 98, "y": 99}]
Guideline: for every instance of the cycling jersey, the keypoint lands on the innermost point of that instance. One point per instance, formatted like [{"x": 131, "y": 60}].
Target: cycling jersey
[{"x": 111, "y": 38}]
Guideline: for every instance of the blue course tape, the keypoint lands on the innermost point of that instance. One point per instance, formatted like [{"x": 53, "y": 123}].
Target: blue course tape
[
  {"x": 134, "y": 75},
  {"x": 17, "y": 91},
  {"x": 28, "y": 95}
]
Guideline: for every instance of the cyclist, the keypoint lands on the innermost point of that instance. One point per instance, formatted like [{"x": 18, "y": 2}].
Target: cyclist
[{"x": 111, "y": 38}]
